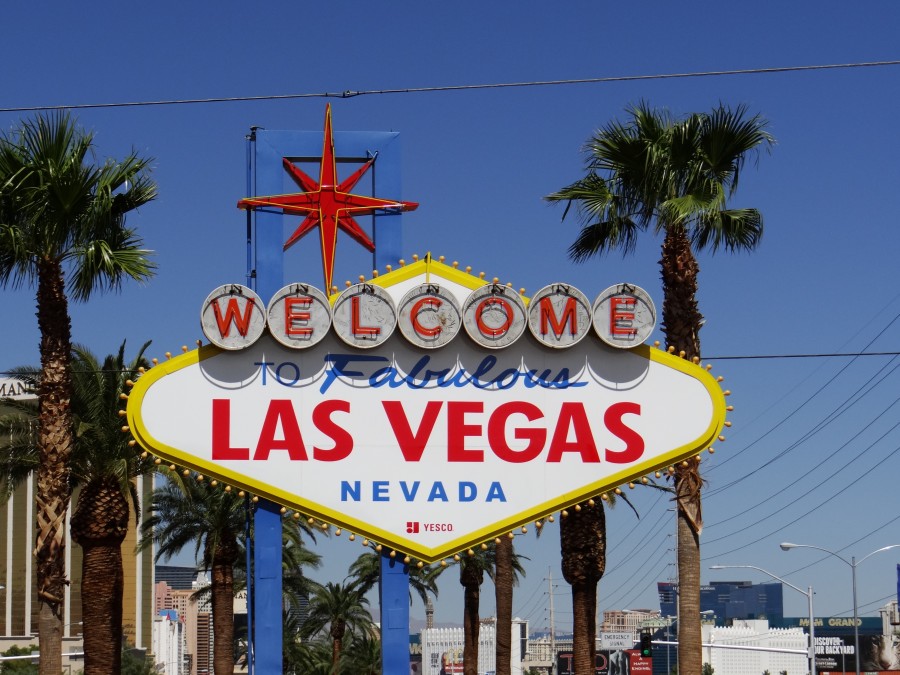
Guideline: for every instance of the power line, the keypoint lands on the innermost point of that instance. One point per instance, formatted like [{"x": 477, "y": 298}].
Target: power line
[
  {"x": 348, "y": 93},
  {"x": 8, "y": 373}
]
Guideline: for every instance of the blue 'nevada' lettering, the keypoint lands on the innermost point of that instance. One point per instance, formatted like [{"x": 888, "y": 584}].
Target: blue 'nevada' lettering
[
  {"x": 485, "y": 375},
  {"x": 385, "y": 491}
]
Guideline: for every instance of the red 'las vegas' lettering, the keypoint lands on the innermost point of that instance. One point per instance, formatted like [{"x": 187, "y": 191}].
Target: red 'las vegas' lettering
[
  {"x": 281, "y": 414},
  {"x": 570, "y": 435}
]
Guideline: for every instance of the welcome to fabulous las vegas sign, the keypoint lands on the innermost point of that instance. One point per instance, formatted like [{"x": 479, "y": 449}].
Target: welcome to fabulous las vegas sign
[{"x": 426, "y": 408}]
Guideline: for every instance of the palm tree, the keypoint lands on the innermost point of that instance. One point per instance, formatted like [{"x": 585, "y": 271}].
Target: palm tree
[
  {"x": 338, "y": 607},
  {"x": 365, "y": 574},
  {"x": 507, "y": 570},
  {"x": 674, "y": 176},
  {"x": 192, "y": 512},
  {"x": 472, "y": 568},
  {"x": 104, "y": 465},
  {"x": 582, "y": 534},
  {"x": 364, "y": 655},
  {"x": 62, "y": 229}
]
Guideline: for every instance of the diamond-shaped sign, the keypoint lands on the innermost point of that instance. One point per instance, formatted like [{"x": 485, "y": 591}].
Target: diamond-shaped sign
[{"x": 428, "y": 451}]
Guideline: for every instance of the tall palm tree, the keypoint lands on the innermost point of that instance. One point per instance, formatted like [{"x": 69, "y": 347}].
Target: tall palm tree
[
  {"x": 192, "y": 512},
  {"x": 339, "y": 608},
  {"x": 62, "y": 229},
  {"x": 507, "y": 571},
  {"x": 674, "y": 177},
  {"x": 104, "y": 466},
  {"x": 472, "y": 568},
  {"x": 582, "y": 534}
]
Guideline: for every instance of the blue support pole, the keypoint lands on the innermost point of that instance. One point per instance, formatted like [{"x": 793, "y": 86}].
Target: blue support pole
[
  {"x": 268, "y": 179},
  {"x": 394, "y": 601},
  {"x": 267, "y": 595}
]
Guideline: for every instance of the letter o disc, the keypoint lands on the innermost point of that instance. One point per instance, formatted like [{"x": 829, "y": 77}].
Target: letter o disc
[
  {"x": 299, "y": 316},
  {"x": 233, "y": 317},
  {"x": 624, "y": 316},
  {"x": 494, "y": 316},
  {"x": 364, "y": 316},
  {"x": 559, "y": 315},
  {"x": 429, "y": 316}
]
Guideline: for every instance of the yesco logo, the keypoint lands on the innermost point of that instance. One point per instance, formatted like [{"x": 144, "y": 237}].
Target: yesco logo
[
  {"x": 428, "y": 315},
  {"x": 414, "y": 527}
]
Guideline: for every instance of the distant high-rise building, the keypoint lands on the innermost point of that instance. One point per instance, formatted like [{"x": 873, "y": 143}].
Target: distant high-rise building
[
  {"x": 169, "y": 643},
  {"x": 195, "y": 613},
  {"x": 729, "y": 600},
  {"x": 19, "y": 599},
  {"x": 19, "y": 605}
]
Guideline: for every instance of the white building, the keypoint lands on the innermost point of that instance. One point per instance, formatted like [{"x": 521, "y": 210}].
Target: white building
[
  {"x": 758, "y": 635},
  {"x": 442, "y": 649},
  {"x": 169, "y": 643}
]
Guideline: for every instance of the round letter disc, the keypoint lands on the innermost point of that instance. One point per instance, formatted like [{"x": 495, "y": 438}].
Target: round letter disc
[
  {"x": 559, "y": 315},
  {"x": 494, "y": 316},
  {"x": 429, "y": 316},
  {"x": 299, "y": 316},
  {"x": 624, "y": 316},
  {"x": 364, "y": 316},
  {"x": 233, "y": 317}
]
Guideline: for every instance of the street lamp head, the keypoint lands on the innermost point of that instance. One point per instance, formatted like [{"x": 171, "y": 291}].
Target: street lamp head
[
  {"x": 716, "y": 567},
  {"x": 786, "y": 546}
]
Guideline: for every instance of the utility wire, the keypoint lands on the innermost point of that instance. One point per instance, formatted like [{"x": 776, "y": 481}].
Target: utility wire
[
  {"x": 463, "y": 87},
  {"x": 8, "y": 373}
]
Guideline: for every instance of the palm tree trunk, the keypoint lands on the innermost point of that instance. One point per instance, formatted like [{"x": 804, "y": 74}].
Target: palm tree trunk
[
  {"x": 55, "y": 440},
  {"x": 681, "y": 323},
  {"x": 101, "y": 596},
  {"x": 690, "y": 650},
  {"x": 223, "y": 611},
  {"x": 471, "y": 621},
  {"x": 336, "y": 646},
  {"x": 584, "y": 606},
  {"x": 582, "y": 535},
  {"x": 503, "y": 593},
  {"x": 99, "y": 526}
]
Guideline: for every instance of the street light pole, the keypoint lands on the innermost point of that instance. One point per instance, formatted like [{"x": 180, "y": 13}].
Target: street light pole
[
  {"x": 811, "y": 652},
  {"x": 853, "y": 563}
]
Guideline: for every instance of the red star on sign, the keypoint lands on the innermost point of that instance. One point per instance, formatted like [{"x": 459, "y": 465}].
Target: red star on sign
[{"x": 327, "y": 204}]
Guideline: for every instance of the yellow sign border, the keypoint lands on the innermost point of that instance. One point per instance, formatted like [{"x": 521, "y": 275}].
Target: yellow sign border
[{"x": 393, "y": 540}]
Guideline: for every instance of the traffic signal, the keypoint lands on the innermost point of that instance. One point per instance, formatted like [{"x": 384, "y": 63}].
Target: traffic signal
[{"x": 646, "y": 646}]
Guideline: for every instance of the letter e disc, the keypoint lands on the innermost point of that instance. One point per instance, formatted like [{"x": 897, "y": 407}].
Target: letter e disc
[
  {"x": 429, "y": 316},
  {"x": 494, "y": 316},
  {"x": 559, "y": 315},
  {"x": 624, "y": 316},
  {"x": 233, "y": 317},
  {"x": 364, "y": 316},
  {"x": 299, "y": 316}
]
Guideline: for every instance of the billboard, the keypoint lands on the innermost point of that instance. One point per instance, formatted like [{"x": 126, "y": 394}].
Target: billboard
[
  {"x": 609, "y": 662},
  {"x": 359, "y": 410},
  {"x": 878, "y": 653}
]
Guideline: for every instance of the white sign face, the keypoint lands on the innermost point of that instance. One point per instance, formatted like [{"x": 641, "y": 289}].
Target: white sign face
[
  {"x": 614, "y": 641},
  {"x": 427, "y": 452}
]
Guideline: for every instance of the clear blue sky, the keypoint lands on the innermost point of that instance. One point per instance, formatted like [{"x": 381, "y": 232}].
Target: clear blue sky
[{"x": 812, "y": 456}]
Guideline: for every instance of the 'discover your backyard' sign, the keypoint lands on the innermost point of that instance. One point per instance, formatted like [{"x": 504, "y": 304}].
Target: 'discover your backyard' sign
[{"x": 426, "y": 409}]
